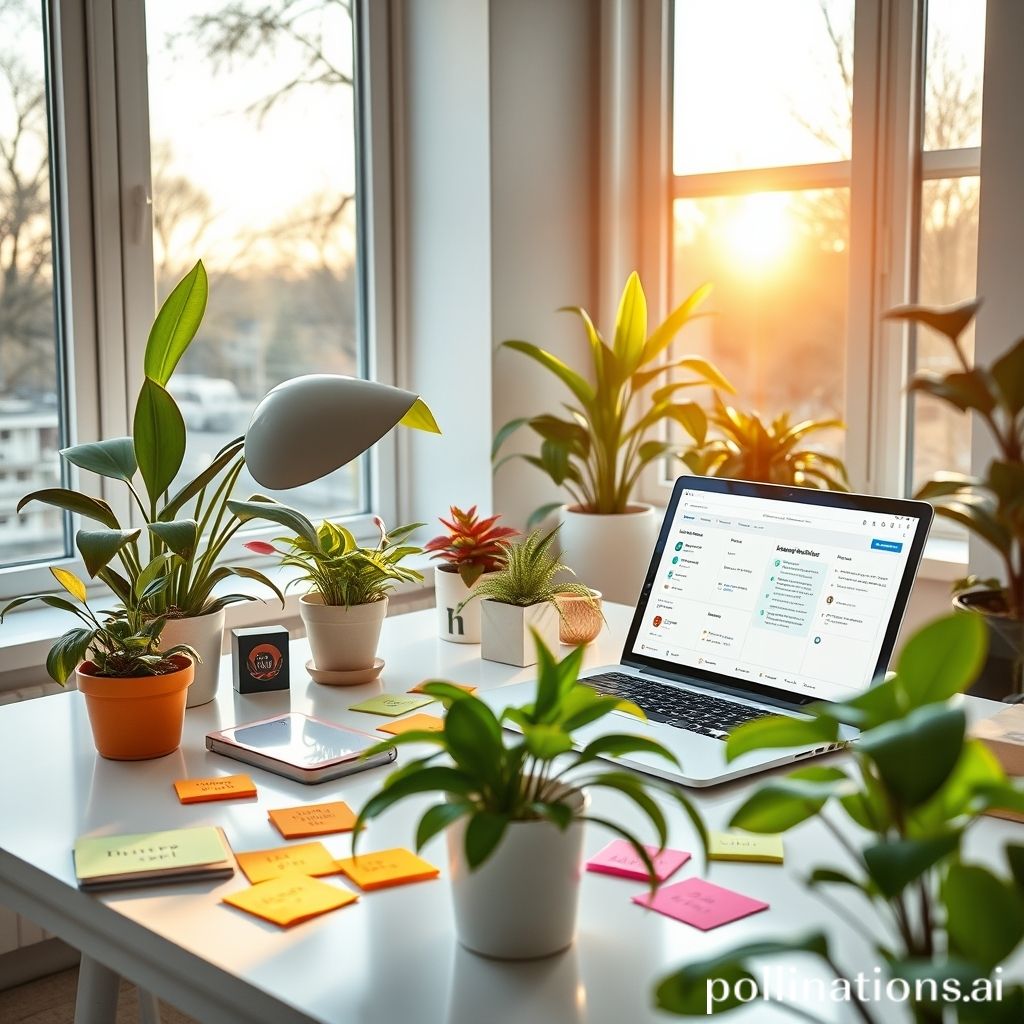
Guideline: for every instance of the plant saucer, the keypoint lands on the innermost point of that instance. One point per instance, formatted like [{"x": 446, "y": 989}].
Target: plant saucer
[{"x": 349, "y": 677}]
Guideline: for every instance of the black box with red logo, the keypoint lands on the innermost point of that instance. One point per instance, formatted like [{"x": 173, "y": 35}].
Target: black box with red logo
[{"x": 259, "y": 659}]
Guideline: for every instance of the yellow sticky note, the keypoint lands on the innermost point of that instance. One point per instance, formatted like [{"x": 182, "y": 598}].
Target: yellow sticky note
[
  {"x": 303, "y": 859},
  {"x": 287, "y": 901},
  {"x": 313, "y": 819},
  {"x": 386, "y": 867},
  {"x": 220, "y": 787},
  {"x": 418, "y": 688},
  {"x": 429, "y": 722},
  {"x": 745, "y": 846}
]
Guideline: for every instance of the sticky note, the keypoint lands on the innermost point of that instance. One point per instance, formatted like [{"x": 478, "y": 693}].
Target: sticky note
[
  {"x": 699, "y": 903},
  {"x": 287, "y": 901},
  {"x": 619, "y": 858},
  {"x": 418, "y": 688},
  {"x": 303, "y": 859},
  {"x": 98, "y": 856},
  {"x": 391, "y": 704},
  {"x": 313, "y": 819},
  {"x": 220, "y": 787},
  {"x": 745, "y": 846},
  {"x": 386, "y": 867},
  {"x": 431, "y": 723}
]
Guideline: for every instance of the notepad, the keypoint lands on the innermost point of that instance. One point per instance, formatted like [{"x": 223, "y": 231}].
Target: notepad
[
  {"x": 429, "y": 723},
  {"x": 386, "y": 867},
  {"x": 619, "y": 858},
  {"x": 303, "y": 859},
  {"x": 418, "y": 688},
  {"x": 143, "y": 858},
  {"x": 699, "y": 903},
  {"x": 313, "y": 819},
  {"x": 747, "y": 846},
  {"x": 391, "y": 704},
  {"x": 220, "y": 787},
  {"x": 288, "y": 901}
]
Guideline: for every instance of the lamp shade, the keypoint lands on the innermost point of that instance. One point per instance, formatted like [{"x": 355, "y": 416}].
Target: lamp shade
[{"x": 310, "y": 426}]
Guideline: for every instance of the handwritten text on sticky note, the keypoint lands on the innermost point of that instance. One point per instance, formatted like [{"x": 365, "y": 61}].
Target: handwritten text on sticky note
[
  {"x": 619, "y": 858},
  {"x": 700, "y": 903},
  {"x": 220, "y": 787},
  {"x": 303, "y": 859},
  {"x": 287, "y": 901}
]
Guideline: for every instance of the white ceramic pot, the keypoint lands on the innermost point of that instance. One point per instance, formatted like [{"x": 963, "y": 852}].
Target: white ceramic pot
[
  {"x": 449, "y": 593},
  {"x": 609, "y": 553},
  {"x": 521, "y": 902},
  {"x": 505, "y": 631},
  {"x": 206, "y": 634},
  {"x": 342, "y": 639}
]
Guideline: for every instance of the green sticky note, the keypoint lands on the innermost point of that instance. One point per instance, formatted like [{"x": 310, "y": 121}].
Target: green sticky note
[
  {"x": 745, "y": 846},
  {"x": 99, "y": 856},
  {"x": 392, "y": 704}
]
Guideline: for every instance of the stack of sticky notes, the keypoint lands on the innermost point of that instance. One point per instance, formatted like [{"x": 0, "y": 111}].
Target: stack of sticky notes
[
  {"x": 313, "y": 819},
  {"x": 220, "y": 787},
  {"x": 747, "y": 846}
]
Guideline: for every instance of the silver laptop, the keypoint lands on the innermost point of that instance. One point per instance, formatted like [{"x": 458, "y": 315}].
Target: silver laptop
[{"x": 759, "y": 599}]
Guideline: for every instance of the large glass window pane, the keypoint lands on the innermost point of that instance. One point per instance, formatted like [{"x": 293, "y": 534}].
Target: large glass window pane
[
  {"x": 954, "y": 64},
  {"x": 30, "y": 389},
  {"x": 761, "y": 84},
  {"x": 779, "y": 264},
  {"x": 252, "y": 118}
]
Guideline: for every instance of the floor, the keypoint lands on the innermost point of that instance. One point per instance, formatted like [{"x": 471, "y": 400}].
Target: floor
[{"x": 51, "y": 1000}]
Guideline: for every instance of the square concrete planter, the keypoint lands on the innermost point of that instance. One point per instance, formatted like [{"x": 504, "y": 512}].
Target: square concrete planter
[{"x": 505, "y": 631}]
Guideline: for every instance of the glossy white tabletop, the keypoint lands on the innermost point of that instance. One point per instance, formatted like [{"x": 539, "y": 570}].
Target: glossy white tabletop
[{"x": 392, "y": 957}]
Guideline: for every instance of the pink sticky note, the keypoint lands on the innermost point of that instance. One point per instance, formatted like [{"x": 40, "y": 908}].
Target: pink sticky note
[
  {"x": 619, "y": 858},
  {"x": 700, "y": 903}
]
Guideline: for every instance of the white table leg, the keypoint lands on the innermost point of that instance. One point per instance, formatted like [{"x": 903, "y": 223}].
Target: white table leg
[
  {"x": 149, "y": 1007},
  {"x": 98, "y": 986}
]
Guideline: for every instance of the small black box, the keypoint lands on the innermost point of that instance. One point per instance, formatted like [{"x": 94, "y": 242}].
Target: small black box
[{"x": 259, "y": 659}]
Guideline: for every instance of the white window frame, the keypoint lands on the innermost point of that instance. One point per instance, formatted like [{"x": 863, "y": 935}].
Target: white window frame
[{"x": 99, "y": 81}]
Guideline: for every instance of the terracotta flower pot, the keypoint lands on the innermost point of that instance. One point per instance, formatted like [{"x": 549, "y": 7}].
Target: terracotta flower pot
[
  {"x": 342, "y": 639},
  {"x": 139, "y": 718}
]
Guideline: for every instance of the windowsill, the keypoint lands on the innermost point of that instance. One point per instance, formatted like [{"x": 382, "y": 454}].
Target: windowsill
[{"x": 945, "y": 559}]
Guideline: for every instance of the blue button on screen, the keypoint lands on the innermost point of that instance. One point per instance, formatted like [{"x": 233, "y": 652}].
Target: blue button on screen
[{"x": 886, "y": 545}]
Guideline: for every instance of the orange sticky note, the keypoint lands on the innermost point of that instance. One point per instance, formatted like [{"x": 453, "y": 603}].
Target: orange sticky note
[
  {"x": 220, "y": 787},
  {"x": 418, "y": 688},
  {"x": 313, "y": 819},
  {"x": 287, "y": 901},
  {"x": 386, "y": 867},
  {"x": 304, "y": 859},
  {"x": 429, "y": 722}
]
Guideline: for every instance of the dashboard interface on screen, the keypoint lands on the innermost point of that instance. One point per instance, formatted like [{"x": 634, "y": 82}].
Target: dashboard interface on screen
[{"x": 792, "y": 596}]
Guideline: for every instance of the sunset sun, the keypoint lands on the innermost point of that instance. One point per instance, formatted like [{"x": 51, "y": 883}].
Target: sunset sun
[{"x": 759, "y": 232}]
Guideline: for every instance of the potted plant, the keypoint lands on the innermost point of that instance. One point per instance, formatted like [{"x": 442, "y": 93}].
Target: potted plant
[
  {"x": 348, "y": 600},
  {"x": 599, "y": 450},
  {"x": 186, "y": 529},
  {"x": 469, "y": 552},
  {"x": 521, "y": 598},
  {"x": 134, "y": 688},
  {"x": 751, "y": 449},
  {"x": 990, "y": 505},
  {"x": 515, "y": 805},
  {"x": 915, "y": 787}
]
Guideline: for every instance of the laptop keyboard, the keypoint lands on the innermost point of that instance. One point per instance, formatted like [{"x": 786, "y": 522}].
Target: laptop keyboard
[{"x": 682, "y": 709}]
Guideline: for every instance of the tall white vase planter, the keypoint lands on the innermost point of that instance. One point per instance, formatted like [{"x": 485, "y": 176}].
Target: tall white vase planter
[
  {"x": 449, "y": 592},
  {"x": 610, "y": 553},
  {"x": 205, "y": 633},
  {"x": 505, "y": 631}
]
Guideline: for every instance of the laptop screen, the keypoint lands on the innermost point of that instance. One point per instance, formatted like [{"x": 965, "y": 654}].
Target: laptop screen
[{"x": 784, "y": 589}]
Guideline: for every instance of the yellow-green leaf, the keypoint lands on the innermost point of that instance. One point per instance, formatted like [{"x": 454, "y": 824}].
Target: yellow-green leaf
[
  {"x": 70, "y": 582},
  {"x": 419, "y": 417}
]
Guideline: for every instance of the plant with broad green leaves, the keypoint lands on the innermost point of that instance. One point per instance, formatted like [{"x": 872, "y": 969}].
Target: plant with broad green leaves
[
  {"x": 751, "y": 449},
  {"x": 599, "y": 450},
  {"x": 332, "y": 561},
  {"x": 529, "y": 575},
  {"x": 492, "y": 778},
  {"x": 124, "y": 643},
  {"x": 916, "y": 786}
]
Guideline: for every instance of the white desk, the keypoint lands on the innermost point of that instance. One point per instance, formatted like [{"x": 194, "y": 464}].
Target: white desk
[{"x": 392, "y": 957}]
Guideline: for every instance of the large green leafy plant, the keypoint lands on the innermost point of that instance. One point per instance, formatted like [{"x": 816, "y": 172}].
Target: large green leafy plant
[
  {"x": 599, "y": 449},
  {"x": 492, "y": 778},
  {"x": 915, "y": 787},
  {"x": 991, "y": 506},
  {"x": 187, "y": 529}
]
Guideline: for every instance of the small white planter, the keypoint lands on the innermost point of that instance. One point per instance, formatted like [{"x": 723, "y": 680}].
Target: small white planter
[
  {"x": 342, "y": 639},
  {"x": 609, "y": 553},
  {"x": 206, "y": 634},
  {"x": 505, "y": 631},
  {"x": 449, "y": 593},
  {"x": 521, "y": 902}
]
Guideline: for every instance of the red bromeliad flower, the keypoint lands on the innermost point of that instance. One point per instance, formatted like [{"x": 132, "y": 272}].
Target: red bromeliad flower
[
  {"x": 472, "y": 545},
  {"x": 261, "y": 547}
]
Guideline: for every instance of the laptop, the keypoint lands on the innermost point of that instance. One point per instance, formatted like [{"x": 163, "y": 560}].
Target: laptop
[{"x": 759, "y": 599}]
